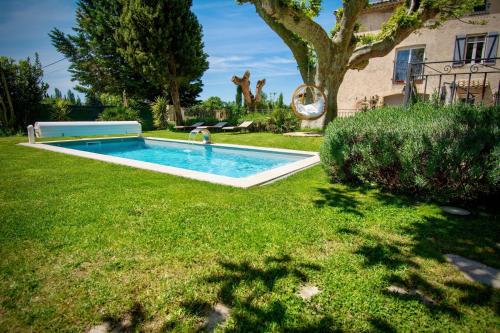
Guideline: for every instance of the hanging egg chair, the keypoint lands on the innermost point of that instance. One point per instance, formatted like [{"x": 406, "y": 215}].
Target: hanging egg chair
[{"x": 308, "y": 102}]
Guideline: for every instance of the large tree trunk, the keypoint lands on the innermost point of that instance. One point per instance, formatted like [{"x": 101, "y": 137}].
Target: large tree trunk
[
  {"x": 331, "y": 93},
  {"x": 329, "y": 76},
  {"x": 174, "y": 93}
]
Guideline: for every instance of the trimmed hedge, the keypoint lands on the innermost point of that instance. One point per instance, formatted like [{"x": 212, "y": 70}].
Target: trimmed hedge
[{"x": 445, "y": 153}]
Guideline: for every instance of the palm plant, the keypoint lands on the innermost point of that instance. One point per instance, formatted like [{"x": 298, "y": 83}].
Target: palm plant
[
  {"x": 60, "y": 111},
  {"x": 160, "y": 112}
]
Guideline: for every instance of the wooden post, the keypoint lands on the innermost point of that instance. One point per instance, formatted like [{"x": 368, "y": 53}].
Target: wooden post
[{"x": 408, "y": 86}]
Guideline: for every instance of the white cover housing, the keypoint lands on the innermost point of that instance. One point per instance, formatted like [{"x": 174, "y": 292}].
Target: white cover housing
[{"x": 86, "y": 128}]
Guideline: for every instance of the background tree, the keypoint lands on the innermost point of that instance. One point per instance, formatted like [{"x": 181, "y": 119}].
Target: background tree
[
  {"x": 21, "y": 92},
  {"x": 280, "y": 103},
  {"x": 239, "y": 96},
  {"x": 96, "y": 63},
  {"x": 57, "y": 93},
  {"x": 92, "y": 52},
  {"x": 70, "y": 97},
  {"x": 323, "y": 59},
  {"x": 163, "y": 41}
]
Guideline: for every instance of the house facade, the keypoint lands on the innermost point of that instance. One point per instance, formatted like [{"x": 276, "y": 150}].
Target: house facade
[{"x": 456, "y": 49}]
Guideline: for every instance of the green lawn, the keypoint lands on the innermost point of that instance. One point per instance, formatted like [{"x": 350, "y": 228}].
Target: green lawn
[{"x": 83, "y": 241}]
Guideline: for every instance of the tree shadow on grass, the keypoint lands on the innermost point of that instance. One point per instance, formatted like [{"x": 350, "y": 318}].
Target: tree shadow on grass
[
  {"x": 381, "y": 325},
  {"x": 252, "y": 308},
  {"x": 344, "y": 200},
  {"x": 472, "y": 237},
  {"x": 129, "y": 322}
]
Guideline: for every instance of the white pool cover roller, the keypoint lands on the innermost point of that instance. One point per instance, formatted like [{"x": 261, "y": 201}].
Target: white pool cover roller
[{"x": 86, "y": 128}]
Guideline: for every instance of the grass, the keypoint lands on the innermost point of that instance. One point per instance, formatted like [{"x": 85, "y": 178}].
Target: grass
[{"x": 83, "y": 241}]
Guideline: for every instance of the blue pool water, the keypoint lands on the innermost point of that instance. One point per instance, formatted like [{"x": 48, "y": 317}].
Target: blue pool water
[{"x": 224, "y": 161}]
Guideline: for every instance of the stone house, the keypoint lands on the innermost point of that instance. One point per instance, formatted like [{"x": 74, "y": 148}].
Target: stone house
[{"x": 465, "y": 50}]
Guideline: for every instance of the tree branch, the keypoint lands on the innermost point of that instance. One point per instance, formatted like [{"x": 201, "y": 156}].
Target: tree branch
[
  {"x": 361, "y": 55},
  {"x": 298, "y": 47},
  {"x": 351, "y": 12},
  {"x": 296, "y": 22}
]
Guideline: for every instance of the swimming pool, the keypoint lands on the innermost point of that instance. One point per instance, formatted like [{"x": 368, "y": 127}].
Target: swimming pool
[{"x": 234, "y": 165}]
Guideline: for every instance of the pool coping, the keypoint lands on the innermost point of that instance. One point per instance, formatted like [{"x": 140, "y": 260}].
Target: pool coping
[{"x": 260, "y": 178}]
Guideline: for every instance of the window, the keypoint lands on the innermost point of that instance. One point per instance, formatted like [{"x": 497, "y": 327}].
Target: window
[
  {"x": 403, "y": 58},
  {"x": 474, "y": 49}
]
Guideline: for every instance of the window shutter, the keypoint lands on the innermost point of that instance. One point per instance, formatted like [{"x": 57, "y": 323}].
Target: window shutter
[
  {"x": 459, "y": 53},
  {"x": 491, "y": 47}
]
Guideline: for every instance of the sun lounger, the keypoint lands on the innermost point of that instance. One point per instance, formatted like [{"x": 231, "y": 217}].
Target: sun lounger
[
  {"x": 189, "y": 126},
  {"x": 244, "y": 125},
  {"x": 217, "y": 126}
]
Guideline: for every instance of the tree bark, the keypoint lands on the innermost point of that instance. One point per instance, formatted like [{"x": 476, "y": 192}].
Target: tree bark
[
  {"x": 12, "y": 119},
  {"x": 125, "y": 98},
  {"x": 244, "y": 83},
  {"x": 331, "y": 103},
  {"x": 4, "y": 111},
  {"x": 174, "y": 93}
]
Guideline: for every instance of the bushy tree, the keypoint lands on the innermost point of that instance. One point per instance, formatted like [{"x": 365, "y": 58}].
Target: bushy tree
[
  {"x": 239, "y": 96},
  {"x": 21, "y": 92},
  {"x": 163, "y": 41},
  {"x": 92, "y": 52},
  {"x": 119, "y": 113},
  {"x": 213, "y": 103},
  {"x": 96, "y": 63},
  {"x": 57, "y": 93},
  {"x": 323, "y": 58},
  {"x": 70, "y": 96}
]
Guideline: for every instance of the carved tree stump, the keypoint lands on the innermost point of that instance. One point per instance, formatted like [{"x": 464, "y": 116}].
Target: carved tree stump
[{"x": 244, "y": 83}]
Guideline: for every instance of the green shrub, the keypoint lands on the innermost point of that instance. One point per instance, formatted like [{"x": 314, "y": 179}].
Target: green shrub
[
  {"x": 283, "y": 120},
  {"x": 444, "y": 153},
  {"x": 160, "y": 112},
  {"x": 60, "y": 110},
  {"x": 260, "y": 121},
  {"x": 119, "y": 113}
]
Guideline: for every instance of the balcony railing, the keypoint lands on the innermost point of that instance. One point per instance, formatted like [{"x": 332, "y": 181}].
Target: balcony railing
[{"x": 470, "y": 82}]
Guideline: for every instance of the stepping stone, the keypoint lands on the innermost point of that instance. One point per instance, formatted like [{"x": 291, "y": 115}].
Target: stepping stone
[
  {"x": 455, "y": 210},
  {"x": 308, "y": 291},
  {"x": 102, "y": 328},
  {"x": 413, "y": 292},
  {"x": 475, "y": 271},
  {"x": 216, "y": 316}
]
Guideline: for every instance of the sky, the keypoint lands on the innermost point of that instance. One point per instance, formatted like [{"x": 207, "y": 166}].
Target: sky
[{"x": 235, "y": 39}]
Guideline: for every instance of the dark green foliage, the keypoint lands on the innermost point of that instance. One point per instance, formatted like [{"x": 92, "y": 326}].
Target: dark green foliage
[
  {"x": 57, "y": 93},
  {"x": 443, "y": 153},
  {"x": 21, "y": 92},
  {"x": 119, "y": 113},
  {"x": 283, "y": 120},
  {"x": 92, "y": 52},
  {"x": 70, "y": 96},
  {"x": 239, "y": 96},
  {"x": 96, "y": 62},
  {"x": 162, "y": 40}
]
